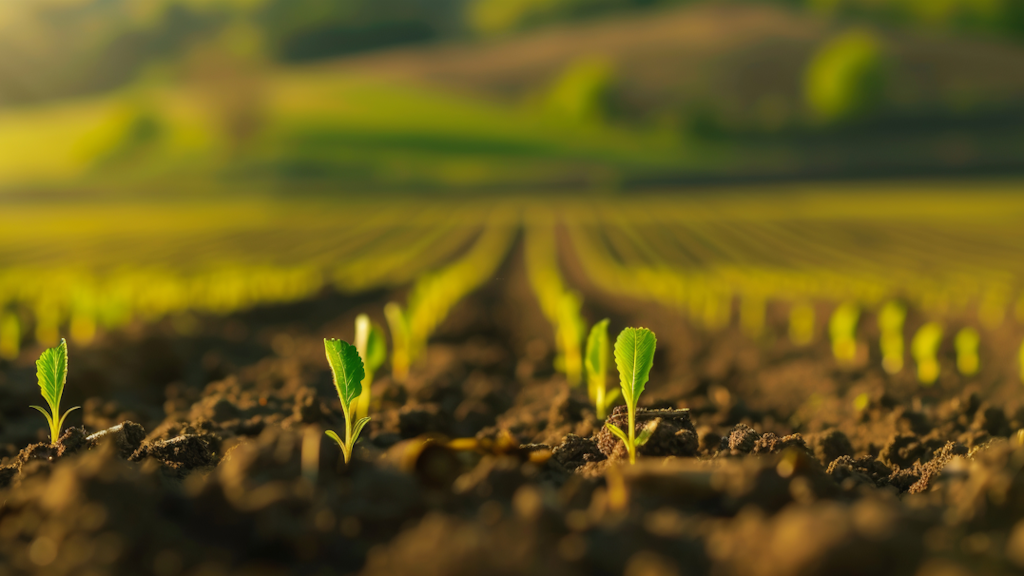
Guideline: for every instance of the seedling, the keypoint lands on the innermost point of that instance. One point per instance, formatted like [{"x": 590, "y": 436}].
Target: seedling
[
  {"x": 925, "y": 348},
  {"x": 634, "y": 357},
  {"x": 398, "y": 324},
  {"x": 10, "y": 336},
  {"x": 569, "y": 333},
  {"x": 842, "y": 327},
  {"x": 890, "y": 323},
  {"x": 560, "y": 305},
  {"x": 347, "y": 368},
  {"x": 52, "y": 372},
  {"x": 373, "y": 350},
  {"x": 752, "y": 314},
  {"x": 801, "y": 324},
  {"x": 597, "y": 370},
  {"x": 967, "y": 340},
  {"x": 1020, "y": 359}
]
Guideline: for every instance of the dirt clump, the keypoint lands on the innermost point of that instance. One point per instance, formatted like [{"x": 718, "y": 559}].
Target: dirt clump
[{"x": 672, "y": 433}]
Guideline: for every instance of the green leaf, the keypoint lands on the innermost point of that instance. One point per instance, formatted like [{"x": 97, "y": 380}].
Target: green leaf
[
  {"x": 618, "y": 432},
  {"x": 347, "y": 367},
  {"x": 49, "y": 420},
  {"x": 376, "y": 349},
  {"x": 398, "y": 323},
  {"x": 371, "y": 345},
  {"x": 359, "y": 428},
  {"x": 634, "y": 357},
  {"x": 62, "y": 418},
  {"x": 646, "y": 434},
  {"x": 611, "y": 399},
  {"x": 597, "y": 353},
  {"x": 336, "y": 439},
  {"x": 52, "y": 372}
]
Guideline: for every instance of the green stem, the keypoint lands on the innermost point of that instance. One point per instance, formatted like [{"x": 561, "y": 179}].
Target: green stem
[
  {"x": 599, "y": 402},
  {"x": 632, "y": 434},
  {"x": 346, "y": 450},
  {"x": 54, "y": 423}
]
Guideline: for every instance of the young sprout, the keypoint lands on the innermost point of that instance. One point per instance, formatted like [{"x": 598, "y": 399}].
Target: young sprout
[
  {"x": 10, "y": 336},
  {"x": 401, "y": 343},
  {"x": 801, "y": 324},
  {"x": 634, "y": 357},
  {"x": 52, "y": 372},
  {"x": 966, "y": 342},
  {"x": 752, "y": 313},
  {"x": 373, "y": 350},
  {"x": 569, "y": 333},
  {"x": 347, "y": 368},
  {"x": 1020, "y": 358},
  {"x": 890, "y": 324},
  {"x": 597, "y": 369},
  {"x": 925, "y": 348},
  {"x": 842, "y": 327}
]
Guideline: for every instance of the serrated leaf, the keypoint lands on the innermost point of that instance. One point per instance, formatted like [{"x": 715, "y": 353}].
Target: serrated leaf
[
  {"x": 618, "y": 432},
  {"x": 597, "y": 353},
  {"x": 347, "y": 368},
  {"x": 634, "y": 357},
  {"x": 52, "y": 372}
]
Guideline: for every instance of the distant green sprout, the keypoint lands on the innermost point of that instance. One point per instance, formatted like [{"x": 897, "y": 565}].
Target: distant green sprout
[
  {"x": 752, "y": 313},
  {"x": 801, "y": 324},
  {"x": 10, "y": 336},
  {"x": 47, "y": 323},
  {"x": 861, "y": 402},
  {"x": 1020, "y": 358},
  {"x": 52, "y": 372},
  {"x": 401, "y": 342},
  {"x": 966, "y": 342},
  {"x": 890, "y": 324},
  {"x": 347, "y": 368},
  {"x": 925, "y": 348},
  {"x": 842, "y": 327},
  {"x": 597, "y": 370},
  {"x": 569, "y": 332},
  {"x": 634, "y": 357},
  {"x": 373, "y": 350}
]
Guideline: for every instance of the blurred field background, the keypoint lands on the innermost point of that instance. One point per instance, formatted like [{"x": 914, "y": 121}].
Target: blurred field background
[
  {"x": 172, "y": 155},
  {"x": 167, "y": 97}
]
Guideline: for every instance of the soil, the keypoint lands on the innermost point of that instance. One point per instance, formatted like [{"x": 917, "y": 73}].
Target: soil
[{"x": 200, "y": 451}]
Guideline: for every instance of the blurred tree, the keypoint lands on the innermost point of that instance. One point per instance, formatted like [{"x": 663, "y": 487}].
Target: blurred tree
[
  {"x": 500, "y": 16},
  {"x": 310, "y": 29},
  {"x": 582, "y": 93},
  {"x": 228, "y": 74},
  {"x": 845, "y": 78}
]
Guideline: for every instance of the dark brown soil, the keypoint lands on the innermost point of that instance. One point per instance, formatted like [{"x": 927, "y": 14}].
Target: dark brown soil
[{"x": 761, "y": 462}]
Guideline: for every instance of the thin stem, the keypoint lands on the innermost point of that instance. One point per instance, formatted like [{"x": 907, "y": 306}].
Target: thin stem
[
  {"x": 632, "y": 433},
  {"x": 599, "y": 401},
  {"x": 347, "y": 448}
]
